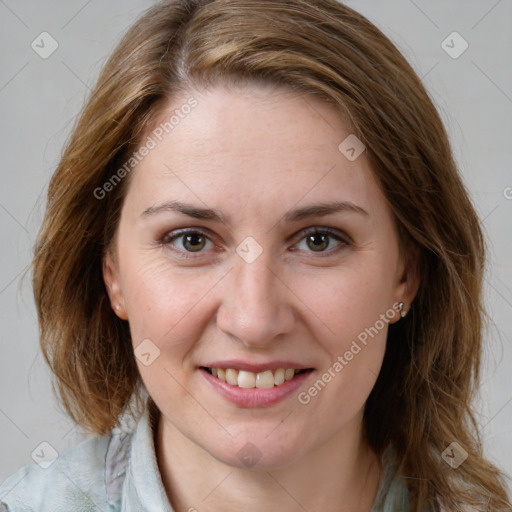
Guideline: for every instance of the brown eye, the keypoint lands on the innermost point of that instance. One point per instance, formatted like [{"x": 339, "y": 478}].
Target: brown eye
[
  {"x": 318, "y": 241},
  {"x": 186, "y": 242},
  {"x": 193, "y": 242},
  {"x": 324, "y": 240}
]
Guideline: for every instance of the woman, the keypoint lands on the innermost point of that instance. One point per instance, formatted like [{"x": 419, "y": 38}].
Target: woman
[{"x": 257, "y": 245}]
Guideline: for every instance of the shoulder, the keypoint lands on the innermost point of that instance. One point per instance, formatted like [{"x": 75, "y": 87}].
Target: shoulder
[{"x": 78, "y": 479}]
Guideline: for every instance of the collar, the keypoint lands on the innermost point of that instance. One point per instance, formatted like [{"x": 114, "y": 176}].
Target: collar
[{"x": 143, "y": 489}]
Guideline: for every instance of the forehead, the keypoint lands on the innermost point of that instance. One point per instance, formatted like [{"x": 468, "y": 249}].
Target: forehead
[{"x": 251, "y": 147}]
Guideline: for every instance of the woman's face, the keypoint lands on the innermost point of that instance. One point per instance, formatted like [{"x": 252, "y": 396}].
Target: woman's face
[{"x": 258, "y": 272}]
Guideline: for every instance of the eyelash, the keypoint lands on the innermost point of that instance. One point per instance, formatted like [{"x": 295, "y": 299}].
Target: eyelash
[{"x": 168, "y": 238}]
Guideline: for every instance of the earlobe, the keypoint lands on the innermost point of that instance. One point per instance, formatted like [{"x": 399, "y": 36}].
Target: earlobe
[{"x": 112, "y": 285}]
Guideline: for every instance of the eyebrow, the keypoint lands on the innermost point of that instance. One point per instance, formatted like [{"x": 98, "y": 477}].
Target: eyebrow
[{"x": 315, "y": 210}]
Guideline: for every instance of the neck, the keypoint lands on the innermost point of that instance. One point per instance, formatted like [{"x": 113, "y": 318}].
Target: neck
[{"x": 341, "y": 475}]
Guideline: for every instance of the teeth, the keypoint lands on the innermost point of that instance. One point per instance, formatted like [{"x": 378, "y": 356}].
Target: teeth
[
  {"x": 246, "y": 379},
  {"x": 262, "y": 380},
  {"x": 232, "y": 377},
  {"x": 289, "y": 373},
  {"x": 279, "y": 376}
]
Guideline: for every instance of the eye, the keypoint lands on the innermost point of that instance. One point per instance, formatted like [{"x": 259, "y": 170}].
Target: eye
[
  {"x": 188, "y": 241},
  {"x": 320, "y": 239}
]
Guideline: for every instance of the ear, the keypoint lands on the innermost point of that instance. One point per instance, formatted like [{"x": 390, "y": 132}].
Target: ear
[
  {"x": 409, "y": 279},
  {"x": 113, "y": 285}
]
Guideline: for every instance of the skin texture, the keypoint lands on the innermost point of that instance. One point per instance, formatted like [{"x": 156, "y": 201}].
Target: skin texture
[{"x": 255, "y": 153}]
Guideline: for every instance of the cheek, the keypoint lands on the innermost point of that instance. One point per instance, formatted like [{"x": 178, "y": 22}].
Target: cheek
[
  {"x": 159, "y": 303},
  {"x": 355, "y": 344},
  {"x": 166, "y": 307},
  {"x": 346, "y": 302},
  {"x": 156, "y": 295},
  {"x": 354, "y": 306}
]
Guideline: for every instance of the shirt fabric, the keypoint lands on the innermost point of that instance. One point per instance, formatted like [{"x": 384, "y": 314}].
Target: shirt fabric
[{"x": 119, "y": 473}]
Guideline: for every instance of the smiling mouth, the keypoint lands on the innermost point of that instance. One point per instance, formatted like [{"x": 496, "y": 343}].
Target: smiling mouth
[{"x": 262, "y": 380}]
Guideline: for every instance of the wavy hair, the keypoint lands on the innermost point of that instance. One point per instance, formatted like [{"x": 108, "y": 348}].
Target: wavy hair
[{"x": 422, "y": 400}]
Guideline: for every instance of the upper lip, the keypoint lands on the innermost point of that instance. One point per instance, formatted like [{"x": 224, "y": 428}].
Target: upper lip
[{"x": 248, "y": 366}]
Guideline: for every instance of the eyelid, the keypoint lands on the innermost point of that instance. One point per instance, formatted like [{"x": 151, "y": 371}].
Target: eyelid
[
  {"x": 175, "y": 233},
  {"x": 171, "y": 236},
  {"x": 336, "y": 233}
]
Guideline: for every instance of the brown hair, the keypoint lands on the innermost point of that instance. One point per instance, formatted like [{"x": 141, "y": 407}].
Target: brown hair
[{"x": 422, "y": 400}]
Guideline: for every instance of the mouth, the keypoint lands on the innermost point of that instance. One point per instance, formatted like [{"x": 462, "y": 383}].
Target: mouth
[{"x": 265, "y": 379}]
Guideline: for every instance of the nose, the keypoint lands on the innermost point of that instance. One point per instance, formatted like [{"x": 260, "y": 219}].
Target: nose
[{"x": 257, "y": 305}]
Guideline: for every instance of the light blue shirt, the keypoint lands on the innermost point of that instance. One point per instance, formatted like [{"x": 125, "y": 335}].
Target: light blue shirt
[{"x": 119, "y": 473}]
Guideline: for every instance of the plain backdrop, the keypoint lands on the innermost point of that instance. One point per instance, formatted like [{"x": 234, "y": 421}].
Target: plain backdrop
[{"x": 40, "y": 98}]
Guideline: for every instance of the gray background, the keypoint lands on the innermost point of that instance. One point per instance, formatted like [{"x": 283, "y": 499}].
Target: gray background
[{"x": 39, "y": 99}]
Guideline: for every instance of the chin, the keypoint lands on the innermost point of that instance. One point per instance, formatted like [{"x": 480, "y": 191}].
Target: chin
[{"x": 255, "y": 452}]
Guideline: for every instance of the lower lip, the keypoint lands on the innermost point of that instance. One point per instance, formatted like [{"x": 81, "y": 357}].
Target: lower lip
[{"x": 256, "y": 397}]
